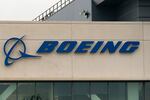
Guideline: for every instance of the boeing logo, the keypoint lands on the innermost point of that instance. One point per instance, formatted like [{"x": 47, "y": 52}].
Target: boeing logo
[
  {"x": 66, "y": 47},
  {"x": 22, "y": 52}
]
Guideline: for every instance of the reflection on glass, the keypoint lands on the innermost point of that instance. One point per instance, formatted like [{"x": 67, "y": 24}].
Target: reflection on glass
[
  {"x": 117, "y": 91},
  {"x": 44, "y": 91},
  {"x": 134, "y": 91},
  {"x": 99, "y": 91},
  {"x": 75, "y": 91},
  {"x": 8, "y": 91},
  {"x": 62, "y": 91},
  {"x": 26, "y": 91},
  {"x": 81, "y": 91}
]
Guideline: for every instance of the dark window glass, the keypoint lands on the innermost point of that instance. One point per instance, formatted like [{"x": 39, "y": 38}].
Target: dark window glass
[
  {"x": 147, "y": 91},
  {"x": 75, "y": 91},
  {"x": 8, "y": 91},
  {"x": 99, "y": 91},
  {"x": 134, "y": 91},
  {"x": 81, "y": 91},
  {"x": 26, "y": 91},
  {"x": 117, "y": 91},
  {"x": 44, "y": 91},
  {"x": 62, "y": 91}
]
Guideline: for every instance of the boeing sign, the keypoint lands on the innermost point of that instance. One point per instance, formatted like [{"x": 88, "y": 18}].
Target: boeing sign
[
  {"x": 10, "y": 60},
  {"x": 66, "y": 47}
]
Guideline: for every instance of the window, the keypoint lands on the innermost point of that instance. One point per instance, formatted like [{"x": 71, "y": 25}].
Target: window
[
  {"x": 75, "y": 91},
  {"x": 147, "y": 91},
  {"x": 135, "y": 91},
  {"x": 44, "y": 91},
  {"x": 26, "y": 91},
  {"x": 81, "y": 91},
  {"x": 62, "y": 91},
  {"x": 117, "y": 91},
  {"x": 8, "y": 91},
  {"x": 99, "y": 91}
]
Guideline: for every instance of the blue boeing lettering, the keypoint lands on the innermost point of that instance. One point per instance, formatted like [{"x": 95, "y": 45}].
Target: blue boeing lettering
[
  {"x": 129, "y": 47},
  {"x": 66, "y": 47},
  {"x": 48, "y": 47},
  {"x": 82, "y": 47},
  {"x": 111, "y": 47},
  {"x": 89, "y": 46}
]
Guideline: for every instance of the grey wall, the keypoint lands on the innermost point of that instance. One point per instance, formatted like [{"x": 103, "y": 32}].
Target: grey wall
[
  {"x": 73, "y": 10},
  {"x": 144, "y": 10}
]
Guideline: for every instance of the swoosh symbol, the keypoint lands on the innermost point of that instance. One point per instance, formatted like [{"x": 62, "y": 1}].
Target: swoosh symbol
[{"x": 10, "y": 60}]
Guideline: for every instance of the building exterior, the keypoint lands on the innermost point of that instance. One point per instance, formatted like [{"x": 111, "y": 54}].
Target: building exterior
[
  {"x": 68, "y": 55},
  {"x": 77, "y": 76},
  {"x": 97, "y": 10}
]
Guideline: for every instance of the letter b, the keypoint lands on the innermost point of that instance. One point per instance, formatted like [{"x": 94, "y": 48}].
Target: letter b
[{"x": 47, "y": 47}]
